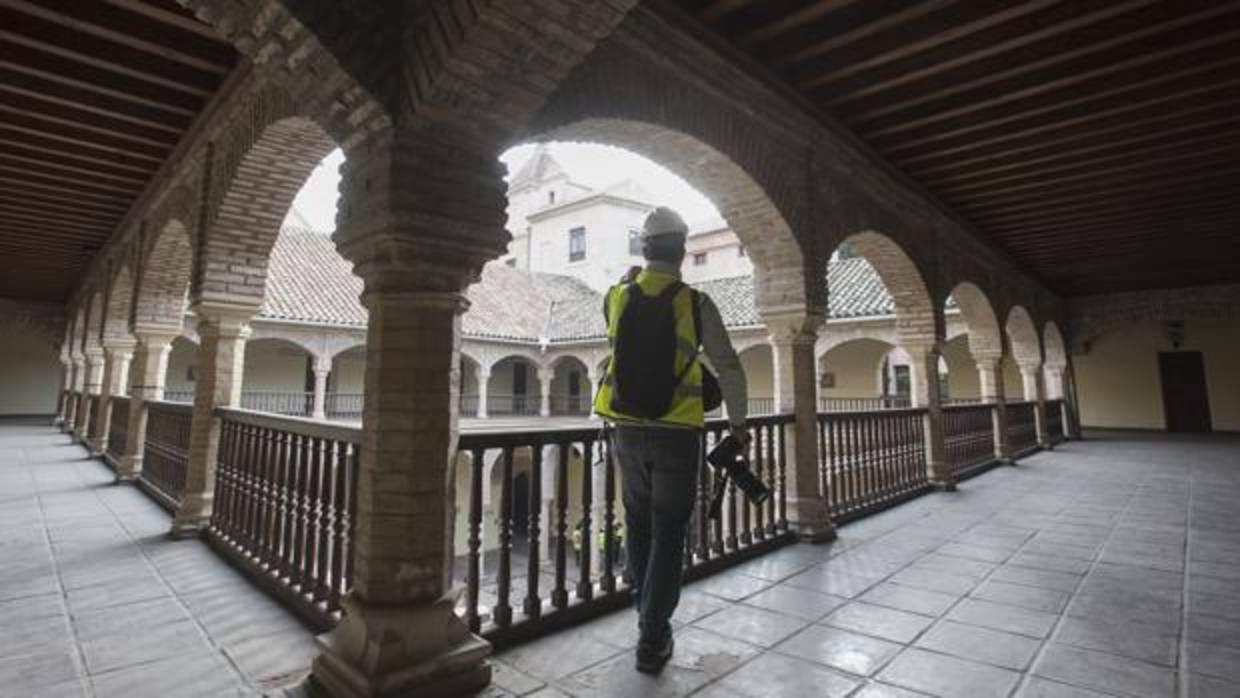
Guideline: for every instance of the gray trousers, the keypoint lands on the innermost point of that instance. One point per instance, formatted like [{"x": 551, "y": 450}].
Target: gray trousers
[{"x": 659, "y": 467}]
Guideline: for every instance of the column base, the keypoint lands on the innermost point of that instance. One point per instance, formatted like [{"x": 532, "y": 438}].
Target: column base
[
  {"x": 941, "y": 478},
  {"x": 192, "y": 517},
  {"x": 390, "y": 650},
  {"x": 808, "y": 518},
  {"x": 129, "y": 468}
]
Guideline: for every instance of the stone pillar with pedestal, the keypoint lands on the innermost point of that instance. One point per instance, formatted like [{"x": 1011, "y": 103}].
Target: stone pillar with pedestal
[
  {"x": 1031, "y": 377},
  {"x": 1055, "y": 381},
  {"x": 66, "y": 388},
  {"x": 223, "y": 329},
  {"x": 990, "y": 378},
  {"x": 147, "y": 374},
  {"x": 1072, "y": 409},
  {"x": 545, "y": 376},
  {"x": 322, "y": 370},
  {"x": 925, "y": 393},
  {"x": 77, "y": 378},
  {"x": 92, "y": 385},
  {"x": 117, "y": 353},
  {"x": 484, "y": 377},
  {"x": 796, "y": 391}
]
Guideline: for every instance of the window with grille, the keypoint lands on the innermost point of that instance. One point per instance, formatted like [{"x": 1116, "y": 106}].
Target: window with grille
[
  {"x": 576, "y": 244},
  {"x": 699, "y": 259}
]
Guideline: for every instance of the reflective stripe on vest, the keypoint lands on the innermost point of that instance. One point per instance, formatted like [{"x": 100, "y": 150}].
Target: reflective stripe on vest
[{"x": 686, "y": 409}]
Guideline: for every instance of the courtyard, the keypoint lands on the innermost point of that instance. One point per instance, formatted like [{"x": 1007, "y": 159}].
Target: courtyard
[{"x": 1106, "y": 567}]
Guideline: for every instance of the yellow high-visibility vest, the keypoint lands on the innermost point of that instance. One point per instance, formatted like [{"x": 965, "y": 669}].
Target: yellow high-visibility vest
[{"x": 686, "y": 409}]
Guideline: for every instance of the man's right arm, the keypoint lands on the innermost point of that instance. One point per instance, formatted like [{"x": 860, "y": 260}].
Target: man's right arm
[{"x": 727, "y": 364}]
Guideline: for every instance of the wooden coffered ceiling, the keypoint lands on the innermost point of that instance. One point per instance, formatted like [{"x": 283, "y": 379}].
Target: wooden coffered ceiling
[
  {"x": 1098, "y": 141},
  {"x": 94, "y": 94}
]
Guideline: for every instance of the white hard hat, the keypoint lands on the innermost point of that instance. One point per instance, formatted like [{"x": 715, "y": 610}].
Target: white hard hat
[{"x": 663, "y": 221}]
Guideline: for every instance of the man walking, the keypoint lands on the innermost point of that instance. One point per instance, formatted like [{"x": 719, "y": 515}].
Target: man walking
[{"x": 652, "y": 391}]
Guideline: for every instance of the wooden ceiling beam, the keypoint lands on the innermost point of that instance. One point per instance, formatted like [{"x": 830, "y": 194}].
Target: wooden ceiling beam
[
  {"x": 944, "y": 28},
  {"x": 39, "y": 211},
  {"x": 84, "y": 18},
  {"x": 1124, "y": 64},
  {"x": 17, "y": 181},
  {"x": 93, "y": 174},
  {"x": 1212, "y": 107},
  {"x": 171, "y": 19},
  {"x": 83, "y": 132},
  {"x": 86, "y": 77},
  {"x": 814, "y": 11},
  {"x": 84, "y": 102},
  {"x": 35, "y": 175},
  {"x": 811, "y": 40},
  {"x": 34, "y": 139},
  {"x": 76, "y": 228},
  {"x": 1151, "y": 234},
  {"x": 999, "y": 224},
  {"x": 55, "y": 153},
  {"x": 43, "y": 203},
  {"x": 1199, "y": 141}
]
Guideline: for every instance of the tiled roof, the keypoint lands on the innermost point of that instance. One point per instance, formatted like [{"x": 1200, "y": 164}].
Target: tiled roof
[{"x": 308, "y": 281}]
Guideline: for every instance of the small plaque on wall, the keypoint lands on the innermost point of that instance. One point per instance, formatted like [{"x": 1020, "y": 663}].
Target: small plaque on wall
[{"x": 827, "y": 380}]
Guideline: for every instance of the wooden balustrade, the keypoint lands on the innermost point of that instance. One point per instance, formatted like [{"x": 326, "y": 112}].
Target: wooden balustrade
[
  {"x": 285, "y": 493},
  {"x": 179, "y": 396},
  {"x": 969, "y": 438},
  {"x": 1022, "y": 427},
  {"x": 579, "y": 526},
  {"x": 1054, "y": 421},
  {"x": 118, "y": 429},
  {"x": 165, "y": 459},
  {"x": 564, "y": 405},
  {"x": 759, "y": 406},
  {"x": 863, "y": 404},
  {"x": 522, "y": 405},
  {"x": 293, "y": 404},
  {"x": 871, "y": 460},
  {"x": 343, "y": 405}
]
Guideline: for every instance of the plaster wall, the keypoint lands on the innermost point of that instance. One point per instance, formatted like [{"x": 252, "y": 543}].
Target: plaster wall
[
  {"x": 183, "y": 356},
  {"x": 962, "y": 378},
  {"x": 607, "y": 225},
  {"x": 856, "y": 367},
  {"x": 1119, "y": 384},
  {"x": 759, "y": 366},
  {"x": 274, "y": 367},
  {"x": 29, "y": 374}
]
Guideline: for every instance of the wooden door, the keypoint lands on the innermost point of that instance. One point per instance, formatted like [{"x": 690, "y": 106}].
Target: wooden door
[{"x": 1186, "y": 400}]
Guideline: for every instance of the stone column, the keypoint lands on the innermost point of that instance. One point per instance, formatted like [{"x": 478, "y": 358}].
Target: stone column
[
  {"x": 147, "y": 374},
  {"x": 594, "y": 376},
  {"x": 990, "y": 377},
  {"x": 322, "y": 369},
  {"x": 544, "y": 385},
  {"x": 223, "y": 330},
  {"x": 550, "y": 466},
  {"x": 484, "y": 377},
  {"x": 66, "y": 387},
  {"x": 400, "y": 634},
  {"x": 92, "y": 385},
  {"x": 1031, "y": 377},
  {"x": 77, "y": 376},
  {"x": 924, "y": 384},
  {"x": 796, "y": 391},
  {"x": 1072, "y": 411},
  {"x": 117, "y": 353}
]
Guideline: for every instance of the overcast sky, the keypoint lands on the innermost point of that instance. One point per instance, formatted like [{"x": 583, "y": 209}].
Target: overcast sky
[{"x": 595, "y": 166}]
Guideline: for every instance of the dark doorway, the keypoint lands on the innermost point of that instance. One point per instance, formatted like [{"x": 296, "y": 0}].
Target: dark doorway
[{"x": 1186, "y": 400}]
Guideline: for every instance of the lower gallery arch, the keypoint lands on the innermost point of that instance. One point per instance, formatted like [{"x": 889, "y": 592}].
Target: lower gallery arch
[
  {"x": 854, "y": 374},
  {"x": 759, "y": 364},
  {"x": 181, "y": 376},
  {"x": 570, "y": 387},
  {"x": 1026, "y": 347},
  {"x": 278, "y": 377},
  {"x": 910, "y": 298},
  {"x": 513, "y": 388},
  {"x": 164, "y": 277}
]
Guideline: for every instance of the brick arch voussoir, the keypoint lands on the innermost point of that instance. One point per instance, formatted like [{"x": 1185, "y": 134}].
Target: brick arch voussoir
[
  {"x": 118, "y": 317},
  {"x": 164, "y": 272},
  {"x": 1053, "y": 346},
  {"x": 985, "y": 335},
  {"x": 96, "y": 311},
  {"x": 1023, "y": 337},
  {"x": 266, "y": 162},
  {"x": 919, "y": 320}
]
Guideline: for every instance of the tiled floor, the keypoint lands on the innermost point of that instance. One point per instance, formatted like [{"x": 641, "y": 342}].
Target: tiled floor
[
  {"x": 95, "y": 600},
  {"x": 1109, "y": 567}
]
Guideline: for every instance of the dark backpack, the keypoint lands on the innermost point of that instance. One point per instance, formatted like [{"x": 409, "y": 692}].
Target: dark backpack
[{"x": 644, "y": 355}]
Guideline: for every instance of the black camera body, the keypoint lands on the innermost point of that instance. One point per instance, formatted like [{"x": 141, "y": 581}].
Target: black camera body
[{"x": 729, "y": 461}]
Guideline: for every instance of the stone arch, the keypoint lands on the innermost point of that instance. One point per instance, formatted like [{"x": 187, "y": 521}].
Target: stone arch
[
  {"x": 985, "y": 337},
  {"x": 265, "y": 164},
  {"x": 120, "y": 304},
  {"x": 1053, "y": 346},
  {"x": 505, "y": 395},
  {"x": 77, "y": 335},
  {"x": 918, "y": 323},
  {"x": 568, "y": 395},
  {"x": 782, "y": 280},
  {"x": 163, "y": 277},
  {"x": 96, "y": 312},
  {"x": 1022, "y": 337}
]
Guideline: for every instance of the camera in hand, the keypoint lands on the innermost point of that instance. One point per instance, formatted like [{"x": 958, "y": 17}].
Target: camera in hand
[{"x": 729, "y": 461}]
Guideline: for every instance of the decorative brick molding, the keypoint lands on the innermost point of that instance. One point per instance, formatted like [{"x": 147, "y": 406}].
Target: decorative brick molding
[
  {"x": 1090, "y": 317},
  {"x": 1024, "y": 342}
]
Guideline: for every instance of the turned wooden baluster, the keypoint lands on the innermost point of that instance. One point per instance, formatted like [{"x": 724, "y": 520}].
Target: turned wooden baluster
[
  {"x": 502, "y": 613},
  {"x": 585, "y": 588},
  {"x": 559, "y": 595},
  {"x": 533, "y": 602},
  {"x": 473, "y": 567},
  {"x": 608, "y": 579}
]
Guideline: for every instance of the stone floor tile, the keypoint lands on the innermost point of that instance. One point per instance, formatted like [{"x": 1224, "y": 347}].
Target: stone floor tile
[
  {"x": 802, "y": 603},
  {"x": 130, "y": 645},
  {"x": 911, "y": 599},
  {"x": 1044, "y": 579},
  {"x": 33, "y": 674},
  {"x": 1137, "y": 641},
  {"x": 777, "y": 676},
  {"x": 981, "y": 644},
  {"x": 942, "y": 675},
  {"x": 268, "y": 661},
  {"x": 1211, "y": 687},
  {"x": 695, "y": 604},
  {"x": 36, "y": 636},
  {"x": 1010, "y": 619},
  {"x": 875, "y": 689},
  {"x": 830, "y": 581},
  {"x": 560, "y": 655},
  {"x": 840, "y": 649},
  {"x": 879, "y": 621},
  {"x": 204, "y": 675},
  {"x": 508, "y": 678},
  {"x": 1214, "y": 630},
  {"x": 1032, "y": 598},
  {"x": 975, "y": 552},
  {"x": 730, "y": 585},
  {"x": 1053, "y": 563},
  {"x": 955, "y": 565},
  {"x": 754, "y": 625},
  {"x": 1108, "y": 673},
  {"x": 1035, "y": 687},
  {"x": 1218, "y": 661},
  {"x": 935, "y": 580}
]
